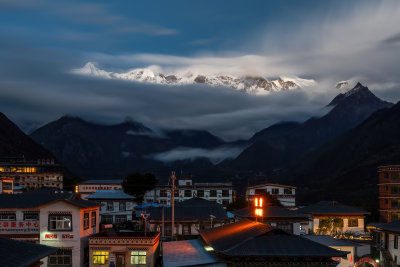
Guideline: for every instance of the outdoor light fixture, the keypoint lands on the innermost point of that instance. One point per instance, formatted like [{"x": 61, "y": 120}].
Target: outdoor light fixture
[{"x": 258, "y": 204}]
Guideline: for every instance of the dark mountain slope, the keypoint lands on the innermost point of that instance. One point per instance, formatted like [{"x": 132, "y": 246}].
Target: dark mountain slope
[
  {"x": 14, "y": 143},
  {"x": 283, "y": 150}
]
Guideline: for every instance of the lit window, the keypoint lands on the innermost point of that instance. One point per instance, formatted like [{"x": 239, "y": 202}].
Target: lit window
[
  {"x": 100, "y": 257},
  {"x": 60, "y": 222},
  {"x": 62, "y": 257},
  {"x": 353, "y": 222},
  {"x": 85, "y": 221},
  {"x": 138, "y": 257}
]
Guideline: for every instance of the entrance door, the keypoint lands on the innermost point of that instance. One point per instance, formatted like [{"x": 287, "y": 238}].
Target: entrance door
[{"x": 120, "y": 260}]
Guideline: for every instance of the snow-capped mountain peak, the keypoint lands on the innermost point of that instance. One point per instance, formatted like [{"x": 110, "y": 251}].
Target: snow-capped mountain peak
[{"x": 248, "y": 84}]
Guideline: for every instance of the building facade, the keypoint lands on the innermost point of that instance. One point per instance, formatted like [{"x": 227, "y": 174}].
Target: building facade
[
  {"x": 387, "y": 242},
  {"x": 221, "y": 193},
  {"x": 55, "y": 219},
  {"x": 284, "y": 193},
  {"x": 33, "y": 174},
  {"x": 91, "y": 186},
  {"x": 6, "y": 185},
  {"x": 124, "y": 249},
  {"x": 117, "y": 206},
  {"x": 389, "y": 193},
  {"x": 330, "y": 217}
]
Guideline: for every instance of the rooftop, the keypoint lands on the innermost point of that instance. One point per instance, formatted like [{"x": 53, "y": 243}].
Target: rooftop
[
  {"x": 391, "y": 226},
  {"x": 110, "y": 233},
  {"x": 18, "y": 253},
  {"x": 329, "y": 241},
  {"x": 110, "y": 194},
  {"x": 248, "y": 238},
  {"x": 194, "y": 208},
  {"x": 268, "y": 184},
  {"x": 332, "y": 207},
  {"x": 116, "y": 181},
  {"x": 185, "y": 253}
]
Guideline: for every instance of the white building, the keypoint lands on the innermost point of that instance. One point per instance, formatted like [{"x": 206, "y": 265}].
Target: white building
[
  {"x": 387, "y": 242},
  {"x": 221, "y": 193},
  {"x": 91, "y": 186},
  {"x": 284, "y": 193},
  {"x": 52, "y": 218},
  {"x": 117, "y": 206}
]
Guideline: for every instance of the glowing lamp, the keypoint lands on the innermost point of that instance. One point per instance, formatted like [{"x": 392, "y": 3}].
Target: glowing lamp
[{"x": 258, "y": 203}]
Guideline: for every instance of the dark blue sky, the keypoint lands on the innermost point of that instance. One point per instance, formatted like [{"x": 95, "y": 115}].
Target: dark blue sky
[{"x": 328, "y": 41}]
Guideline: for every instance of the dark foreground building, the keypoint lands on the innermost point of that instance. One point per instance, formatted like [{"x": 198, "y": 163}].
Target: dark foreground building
[{"x": 249, "y": 243}]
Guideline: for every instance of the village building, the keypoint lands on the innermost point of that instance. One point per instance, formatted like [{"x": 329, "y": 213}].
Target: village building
[
  {"x": 54, "y": 218},
  {"x": 290, "y": 221},
  {"x": 117, "y": 206},
  {"x": 259, "y": 244},
  {"x": 6, "y": 185},
  {"x": 91, "y": 186},
  {"x": 191, "y": 216},
  {"x": 185, "y": 189},
  {"x": 387, "y": 242},
  {"x": 18, "y": 253},
  {"x": 284, "y": 193},
  {"x": 389, "y": 192},
  {"x": 32, "y": 174},
  {"x": 124, "y": 249},
  {"x": 330, "y": 217}
]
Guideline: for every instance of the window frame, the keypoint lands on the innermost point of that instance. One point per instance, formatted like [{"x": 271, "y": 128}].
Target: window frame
[
  {"x": 13, "y": 214},
  {"x": 59, "y": 230},
  {"x": 352, "y": 224},
  {"x": 108, "y": 206},
  {"x": 138, "y": 254},
  {"x": 86, "y": 220},
  {"x": 396, "y": 242},
  {"x": 60, "y": 253},
  {"x": 31, "y": 213},
  {"x": 93, "y": 219}
]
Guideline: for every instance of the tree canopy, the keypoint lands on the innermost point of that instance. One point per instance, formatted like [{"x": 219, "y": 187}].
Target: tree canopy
[{"x": 137, "y": 184}]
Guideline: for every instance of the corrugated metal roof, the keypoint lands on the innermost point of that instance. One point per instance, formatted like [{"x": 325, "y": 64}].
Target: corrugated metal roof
[
  {"x": 33, "y": 199},
  {"x": 185, "y": 253},
  {"x": 392, "y": 226},
  {"x": 18, "y": 253},
  {"x": 110, "y": 194},
  {"x": 329, "y": 241}
]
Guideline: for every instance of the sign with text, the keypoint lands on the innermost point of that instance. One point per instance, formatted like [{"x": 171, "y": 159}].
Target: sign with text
[{"x": 19, "y": 227}]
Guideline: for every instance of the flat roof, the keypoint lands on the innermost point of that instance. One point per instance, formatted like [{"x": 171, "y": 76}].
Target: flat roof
[
  {"x": 185, "y": 253},
  {"x": 110, "y": 194}
]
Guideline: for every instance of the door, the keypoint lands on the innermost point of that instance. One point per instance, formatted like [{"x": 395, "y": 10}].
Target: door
[{"x": 120, "y": 260}]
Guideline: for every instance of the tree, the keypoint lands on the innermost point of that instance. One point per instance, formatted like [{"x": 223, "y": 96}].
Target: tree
[{"x": 137, "y": 184}]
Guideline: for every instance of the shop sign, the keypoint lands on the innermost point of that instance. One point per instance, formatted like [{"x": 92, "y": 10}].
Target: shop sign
[{"x": 19, "y": 227}]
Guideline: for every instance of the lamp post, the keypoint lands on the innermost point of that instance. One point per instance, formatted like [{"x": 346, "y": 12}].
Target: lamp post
[{"x": 258, "y": 205}]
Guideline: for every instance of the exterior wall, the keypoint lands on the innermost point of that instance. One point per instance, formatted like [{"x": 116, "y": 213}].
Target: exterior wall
[
  {"x": 88, "y": 189},
  {"x": 394, "y": 252},
  {"x": 285, "y": 194},
  {"x": 162, "y": 194},
  {"x": 129, "y": 208},
  {"x": 20, "y": 226},
  {"x": 195, "y": 226},
  {"x": 75, "y": 239},
  {"x": 349, "y": 260},
  {"x": 124, "y": 246},
  {"x": 389, "y": 193},
  {"x": 346, "y": 228}
]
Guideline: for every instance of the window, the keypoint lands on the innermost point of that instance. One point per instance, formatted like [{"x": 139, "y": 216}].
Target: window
[
  {"x": 93, "y": 219},
  {"x": 396, "y": 242},
  {"x": 200, "y": 193},
  {"x": 106, "y": 219},
  {"x": 353, "y": 222},
  {"x": 120, "y": 218},
  {"x": 186, "y": 229},
  {"x": 287, "y": 191},
  {"x": 100, "y": 257},
  {"x": 110, "y": 206},
  {"x": 61, "y": 257},
  {"x": 31, "y": 216},
  {"x": 188, "y": 193},
  {"x": 122, "y": 206},
  {"x": 275, "y": 191},
  {"x": 225, "y": 193},
  {"x": 213, "y": 193},
  {"x": 85, "y": 221},
  {"x": 138, "y": 257},
  {"x": 60, "y": 222},
  {"x": 7, "y": 216}
]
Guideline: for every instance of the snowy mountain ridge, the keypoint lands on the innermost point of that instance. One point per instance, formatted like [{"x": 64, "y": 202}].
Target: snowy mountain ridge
[{"x": 248, "y": 84}]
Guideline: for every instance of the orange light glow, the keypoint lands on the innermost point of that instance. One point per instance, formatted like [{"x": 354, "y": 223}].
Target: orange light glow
[
  {"x": 259, "y": 212},
  {"x": 256, "y": 202},
  {"x": 261, "y": 202}
]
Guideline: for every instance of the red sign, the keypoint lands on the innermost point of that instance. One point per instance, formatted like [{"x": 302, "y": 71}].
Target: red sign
[
  {"x": 67, "y": 236},
  {"x": 50, "y": 236},
  {"x": 10, "y": 227}
]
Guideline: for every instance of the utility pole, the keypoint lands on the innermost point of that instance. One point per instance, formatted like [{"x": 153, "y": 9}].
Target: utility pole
[
  {"x": 162, "y": 233},
  {"x": 173, "y": 204}
]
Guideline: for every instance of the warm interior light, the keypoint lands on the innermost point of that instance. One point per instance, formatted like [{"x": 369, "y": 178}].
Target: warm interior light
[
  {"x": 261, "y": 202},
  {"x": 208, "y": 248},
  {"x": 256, "y": 202}
]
